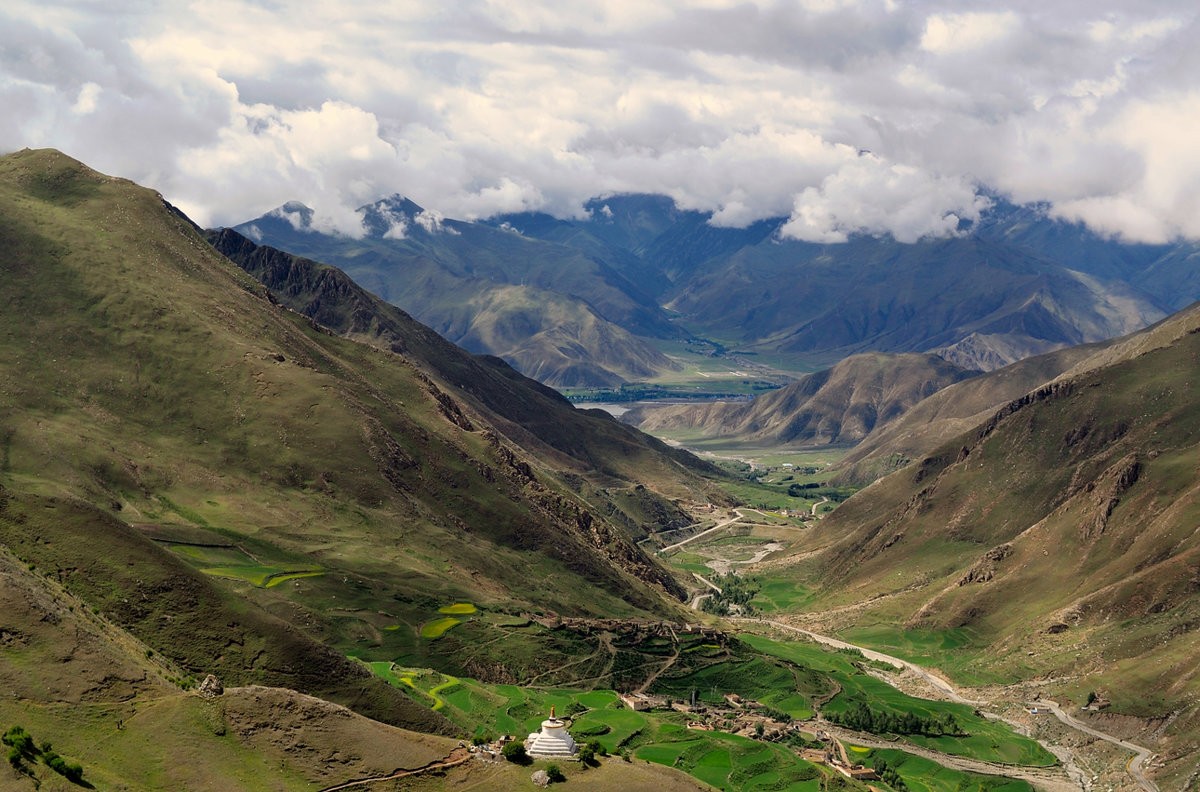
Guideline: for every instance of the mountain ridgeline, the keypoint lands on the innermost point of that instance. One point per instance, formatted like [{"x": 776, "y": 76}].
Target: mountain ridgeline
[
  {"x": 838, "y": 406},
  {"x": 577, "y": 303},
  {"x": 553, "y": 311}
]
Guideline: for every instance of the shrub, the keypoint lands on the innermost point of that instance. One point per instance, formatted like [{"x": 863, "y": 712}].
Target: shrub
[
  {"x": 515, "y": 753},
  {"x": 555, "y": 774},
  {"x": 20, "y": 741}
]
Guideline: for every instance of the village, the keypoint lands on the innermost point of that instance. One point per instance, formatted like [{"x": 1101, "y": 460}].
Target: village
[{"x": 734, "y": 715}]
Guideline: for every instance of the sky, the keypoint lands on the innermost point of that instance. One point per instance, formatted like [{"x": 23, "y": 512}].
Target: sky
[{"x": 844, "y": 116}]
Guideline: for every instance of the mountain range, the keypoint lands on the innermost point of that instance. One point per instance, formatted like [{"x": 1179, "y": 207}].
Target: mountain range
[
  {"x": 217, "y": 457},
  {"x": 587, "y": 302}
]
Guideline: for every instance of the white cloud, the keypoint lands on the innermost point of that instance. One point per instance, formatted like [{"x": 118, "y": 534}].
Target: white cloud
[
  {"x": 955, "y": 33},
  {"x": 1163, "y": 203},
  {"x": 746, "y": 109},
  {"x": 86, "y": 102},
  {"x": 871, "y": 196},
  {"x": 433, "y": 222},
  {"x": 397, "y": 224}
]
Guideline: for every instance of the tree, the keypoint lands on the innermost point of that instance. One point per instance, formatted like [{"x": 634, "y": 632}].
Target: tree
[
  {"x": 587, "y": 755},
  {"x": 555, "y": 774},
  {"x": 515, "y": 753}
]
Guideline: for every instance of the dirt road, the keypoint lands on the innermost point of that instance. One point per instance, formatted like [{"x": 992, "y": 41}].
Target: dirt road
[
  {"x": 716, "y": 527},
  {"x": 1140, "y": 754}
]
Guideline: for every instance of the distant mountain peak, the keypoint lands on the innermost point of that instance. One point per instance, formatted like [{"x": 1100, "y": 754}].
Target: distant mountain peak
[{"x": 397, "y": 217}]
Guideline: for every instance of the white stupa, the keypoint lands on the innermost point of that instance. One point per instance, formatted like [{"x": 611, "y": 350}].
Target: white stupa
[{"x": 552, "y": 742}]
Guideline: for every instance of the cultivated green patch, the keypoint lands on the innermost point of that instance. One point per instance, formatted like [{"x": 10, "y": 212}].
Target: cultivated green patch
[
  {"x": 980, "y": 738},
  {"x": 922, "y": 775},
  {"x": 438, "y": 627},
  {"x": 724, "y": 760},
  {"x": 262, "y": 576}
]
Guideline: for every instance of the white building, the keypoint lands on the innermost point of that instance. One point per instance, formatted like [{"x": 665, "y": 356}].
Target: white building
[{"x": 552, "y": 742}]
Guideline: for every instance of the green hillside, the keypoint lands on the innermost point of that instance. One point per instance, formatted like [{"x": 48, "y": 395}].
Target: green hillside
[
  {"x": 154, "y": 393},
  {"x": 1055, "y": 540}
]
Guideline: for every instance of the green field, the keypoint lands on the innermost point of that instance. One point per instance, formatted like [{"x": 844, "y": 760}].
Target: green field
[
  {"x": 777, "y": 596},
  {"x": 261, "y": 576},
  {"x": 786, "y": 676},
  {"x": 724, "y": 760},
  {"x": 989, "y": 740},
  {"x": 923, "y": 775},
  {"x": 438, "y": 627},
  {"x": 458, "y": 609},
  {"x": 953, "y": 651}
]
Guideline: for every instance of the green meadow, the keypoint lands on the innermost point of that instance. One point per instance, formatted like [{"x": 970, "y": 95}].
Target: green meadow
[
  {"x": 988, "y": 740},
  {"x": 953, "y": 651},
  {"x": 725, "y": 761},
  {"x": 924, "y": 775},
  {"x": 788, "y": 677}
]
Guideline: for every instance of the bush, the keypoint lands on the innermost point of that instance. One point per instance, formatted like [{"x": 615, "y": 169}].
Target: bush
[
  {"x": 20, "y": 741},
  {"x": 515, "y": 753},
  {"x": 555, "y": 774},
  {"x": 587, "y": 755}
]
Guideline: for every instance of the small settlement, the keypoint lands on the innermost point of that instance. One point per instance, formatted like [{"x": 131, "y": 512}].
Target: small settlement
[{"x": 734, "y": 715}]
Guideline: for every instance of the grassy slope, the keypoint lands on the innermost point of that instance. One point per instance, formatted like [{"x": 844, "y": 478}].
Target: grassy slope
[
  {"x": 148, "y": 381},
  {"x": 193, "y": 385},
  {"x": 531, "y": 415},
  {"x": 74, "y": 678},
  {"x": 1060, "y": 535}
]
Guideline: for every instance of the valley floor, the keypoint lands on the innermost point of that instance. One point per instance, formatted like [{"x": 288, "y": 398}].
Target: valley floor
[{"x": 1091, "y": 759}]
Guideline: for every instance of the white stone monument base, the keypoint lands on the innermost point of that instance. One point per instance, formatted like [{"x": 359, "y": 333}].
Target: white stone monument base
[{"x": 552, "y": 742}]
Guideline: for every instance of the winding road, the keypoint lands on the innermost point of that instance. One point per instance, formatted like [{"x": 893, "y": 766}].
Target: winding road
[{"x": 1134, "y": 767}]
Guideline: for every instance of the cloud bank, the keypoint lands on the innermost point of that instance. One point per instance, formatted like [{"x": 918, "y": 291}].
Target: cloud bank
[{"x": 845, "y": 116}]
